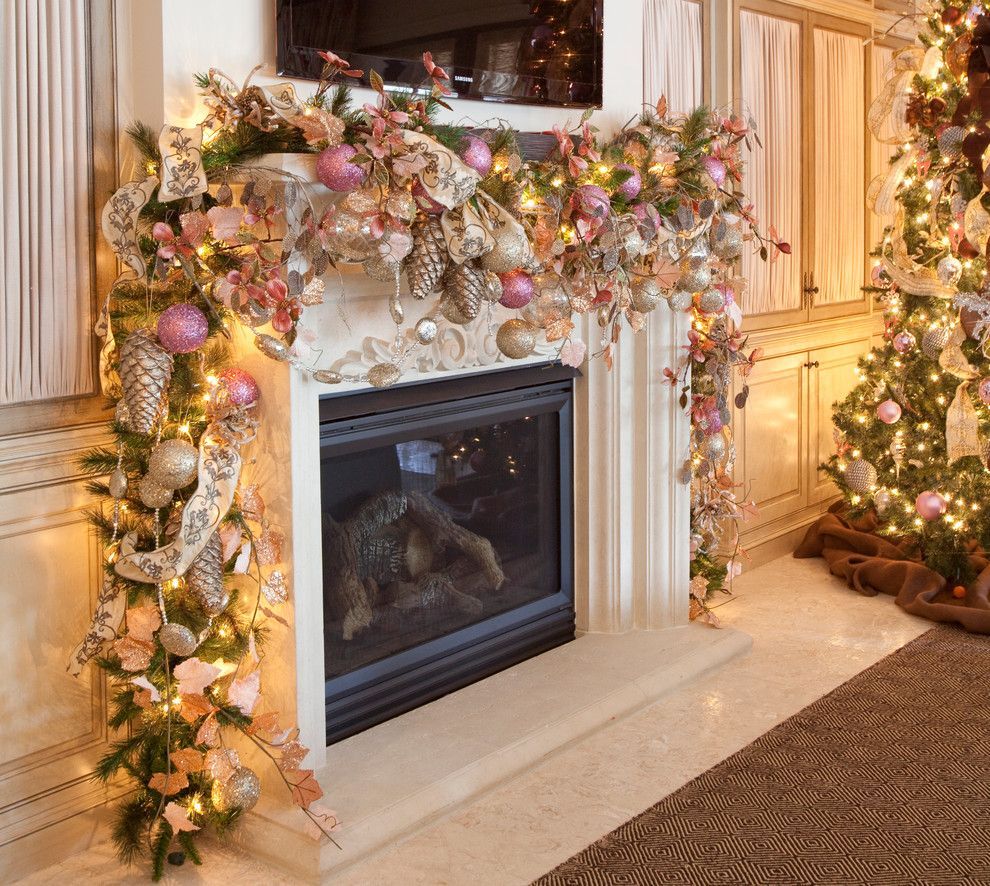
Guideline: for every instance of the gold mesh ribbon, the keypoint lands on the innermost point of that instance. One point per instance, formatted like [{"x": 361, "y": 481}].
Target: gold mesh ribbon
[
  {"x": 890, "y": 106},
  {"x": 907, "y": 275},
  {"x": 962, "y": 426},
  {"x": 953, "y": 360}
]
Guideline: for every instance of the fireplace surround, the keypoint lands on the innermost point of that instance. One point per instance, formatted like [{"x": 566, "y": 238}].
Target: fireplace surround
[{"x": 447, "y": 536}]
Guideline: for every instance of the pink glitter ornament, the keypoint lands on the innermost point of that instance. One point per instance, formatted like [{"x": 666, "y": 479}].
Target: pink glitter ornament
[
  {"x": 477, "y": 155},
  {"x": 904, "y": 342},
  {"x": 241, "y": 387},
  {"x": 889, "y": 411},
  {"x": 984, "y": 390},
  {"x": 424, "y": 201},
  {"x": 334, "y": 169},
  {"x": 929, "y": 505},
  {"x": 517, "y": 289},
  {"x": 590, "y": 201},
  {"x": 631, "y": 187},
  {"x": 182, "y": 328}
]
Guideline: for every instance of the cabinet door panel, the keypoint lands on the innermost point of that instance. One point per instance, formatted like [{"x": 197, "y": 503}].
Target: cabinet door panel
[
  {"x": 771, "y": 438},
  {"x": 839, "y": 167},
  {"x": 828, "y": 382},
  {"x": 770, "y": 87}
]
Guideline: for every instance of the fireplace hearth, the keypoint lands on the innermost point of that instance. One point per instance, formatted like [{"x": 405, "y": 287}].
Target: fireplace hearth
[{"x": 447, "y": 536}]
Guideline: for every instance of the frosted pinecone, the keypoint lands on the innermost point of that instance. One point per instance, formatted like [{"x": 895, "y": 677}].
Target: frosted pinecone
[
  {"x": 428, "y": 259},
  {"x": 145, "y": 374}
]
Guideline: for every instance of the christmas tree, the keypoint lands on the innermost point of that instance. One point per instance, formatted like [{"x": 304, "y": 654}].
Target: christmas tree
[{"x": 913, "y": 436}]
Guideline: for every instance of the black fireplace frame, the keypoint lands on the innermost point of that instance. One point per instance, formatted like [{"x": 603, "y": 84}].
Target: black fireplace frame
[{"x": 384, "y": 689}]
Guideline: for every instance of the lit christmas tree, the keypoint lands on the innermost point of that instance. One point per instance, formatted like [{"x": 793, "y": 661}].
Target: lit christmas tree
[{"x": 914, "y": 434}]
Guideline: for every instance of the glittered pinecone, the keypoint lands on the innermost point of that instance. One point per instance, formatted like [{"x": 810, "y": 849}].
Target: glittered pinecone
[
  {"x": 465, "y": 287},
  {"x": 426, "y": 262},
  {"x": 145, "y": 373},
  {"x": 204, "y": 579}
]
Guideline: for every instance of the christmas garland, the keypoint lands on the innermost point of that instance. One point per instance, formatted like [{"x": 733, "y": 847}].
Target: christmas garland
[{"x": 213, "y": 235}]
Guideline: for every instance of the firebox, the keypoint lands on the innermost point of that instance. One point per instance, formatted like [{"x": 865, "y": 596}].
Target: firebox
[{"x": 447, "y": 536}]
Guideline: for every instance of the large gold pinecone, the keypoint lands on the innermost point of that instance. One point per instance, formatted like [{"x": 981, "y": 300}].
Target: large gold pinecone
[
  {"x": 145, "y": 374},
  {"x": 465, "y": 287},
  {"x": 426, "y": 262},
  {"x": 204, "y": 578}
]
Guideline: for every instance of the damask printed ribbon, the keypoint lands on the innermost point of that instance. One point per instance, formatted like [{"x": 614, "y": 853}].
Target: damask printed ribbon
[
  {"x": 962, "y": 426},
  {"x": 472, "y": 229},
  {"x": 110, "y": 605},
  {"x": 182, "y": 170},
  {"x": 446, "y": 178},
  {"x": 283, "y": 100},
  {"x": 219, "y": 469},
  {"x": 119, "y": 224}
]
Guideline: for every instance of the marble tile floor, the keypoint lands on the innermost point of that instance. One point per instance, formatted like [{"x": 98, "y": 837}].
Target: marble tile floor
[{"x": 810, "y": 634}]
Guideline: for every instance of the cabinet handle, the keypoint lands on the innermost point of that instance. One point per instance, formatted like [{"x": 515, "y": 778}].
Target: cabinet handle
[
  {"x": 811, "y": 364},
  {"x": 811, "y": 290}
]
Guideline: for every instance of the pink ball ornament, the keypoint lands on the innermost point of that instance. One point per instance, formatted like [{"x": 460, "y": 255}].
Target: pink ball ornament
[
  {"x": 517, "y": 289},
  {"x": 241, "y": 387},
  {"x": 590, "y": 201},
  {"x": 984, "y": 390},
  {"x": 477, "y": 154},
  {"x": 182, "y": 328},
  {"x": 904, "y": 342},
  {"x": 424, "y": 201},
  {"x": 889, "y": 411},
  {"x": 929, "y": 505},
  {"x": 631, "y": 187},
  {"x": 334, "y": 169}
]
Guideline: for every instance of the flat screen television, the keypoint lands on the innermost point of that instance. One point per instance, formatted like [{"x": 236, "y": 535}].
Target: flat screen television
[{"x": 542, "y": 52}]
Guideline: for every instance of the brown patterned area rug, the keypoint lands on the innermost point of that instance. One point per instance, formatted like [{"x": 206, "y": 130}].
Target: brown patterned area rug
[{"x": 886, "y": 780}]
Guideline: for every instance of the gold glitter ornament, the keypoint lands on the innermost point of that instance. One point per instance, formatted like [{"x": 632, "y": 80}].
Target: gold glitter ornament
[
  {"x": 328, "y": 377},
  {"x": 645, "y": 294},
  {"x": 240, "y": 791},
  {"x": 511, "y": 251},
  {"x": 118, "y": 483},
  {"x": 694, "y": 279},
  {"x": 272, "y": 347},
  {"x": 145, "y": 374},
  {"x": 516, "y": 339},
  {"x": 204, "y": 578},
  {"x": 384, "y": 375},
  {"x": 173, "y": 464},
  {"x": 178, "y": 639},
  {"x": 860, "y": 475},
  {"x": 383, "y": 268},
  {"x": 680, "y": 300},
  {"x": 153, "y": 495}
]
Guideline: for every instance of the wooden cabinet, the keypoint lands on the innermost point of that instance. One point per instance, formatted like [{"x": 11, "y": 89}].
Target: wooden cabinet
[
  {"x": 805, "y": 78},
  {"x": 785, "y": 432}
]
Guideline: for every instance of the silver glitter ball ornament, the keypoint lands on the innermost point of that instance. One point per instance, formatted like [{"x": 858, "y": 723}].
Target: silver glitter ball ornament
[
  {"x": 516, "y": 339},
  {"x": 714, "y": 447},
  {"x": 882, "y": 500},
  {"x": 272, "y": 347},
  {"x": 153, "y": 495},
  {"x": 493, "y": 287},
  {"x": 254, "y": 315},
  {"x": 240, "y": 791},
  {"x": 695, "y": 279},
  {"x": 860, "y": 475},
  {"x": 949, "y": 270},
  {"x": 426, "y": 330},
  {"x": 680, "y": 300},
  {"x": 950, "y": 142},
  {"x": 327, "y": 377},
  {"x": 728, "y": 244},
  {"x": 712, "y": 301},
  {"x": 173, "y": 464},
  {"x": 511, "y": 251},
  {"x": 118, "y": 483},
  {"x": 347, "y": 229},
  {"x": 384, "y": 375},
  {"x": 933, "y": 341},
  {"x": 178, "y": 639},
  {"x": 645, "y": 294}
]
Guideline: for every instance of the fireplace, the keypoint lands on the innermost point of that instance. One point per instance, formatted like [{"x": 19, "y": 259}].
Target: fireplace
[{"x": 447, "y": 536}]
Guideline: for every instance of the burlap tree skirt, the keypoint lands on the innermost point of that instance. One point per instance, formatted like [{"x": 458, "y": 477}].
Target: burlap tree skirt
[{"x": 874, "y": 565}]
